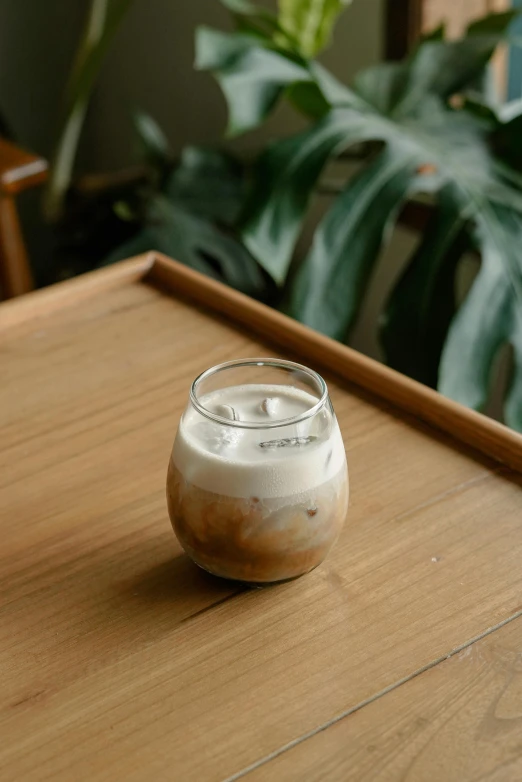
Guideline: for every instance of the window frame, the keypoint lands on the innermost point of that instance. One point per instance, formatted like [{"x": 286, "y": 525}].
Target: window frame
[{"x": 403, "y": 25}]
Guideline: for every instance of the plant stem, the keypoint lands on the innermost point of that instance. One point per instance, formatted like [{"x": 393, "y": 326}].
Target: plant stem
[{"x": 102, "y": 22}]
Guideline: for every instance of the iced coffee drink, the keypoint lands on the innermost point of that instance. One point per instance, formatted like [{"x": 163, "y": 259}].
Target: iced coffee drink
[{"x": 257, "y": 484}]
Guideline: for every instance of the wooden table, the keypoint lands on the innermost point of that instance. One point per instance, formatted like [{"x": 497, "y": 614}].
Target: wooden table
[{"x": 399, "y": 658}]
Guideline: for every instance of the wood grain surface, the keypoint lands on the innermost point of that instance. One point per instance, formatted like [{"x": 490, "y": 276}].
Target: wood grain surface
[
  {"x": 461, "y": 720},
  {"x": 119, "y": 659}
]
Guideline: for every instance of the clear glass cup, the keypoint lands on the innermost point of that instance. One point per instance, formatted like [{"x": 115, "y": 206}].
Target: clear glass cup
[{"x": 257, "y": 484}]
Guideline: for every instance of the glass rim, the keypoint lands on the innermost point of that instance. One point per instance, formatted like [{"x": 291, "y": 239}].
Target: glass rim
[{"x": 278, "y": 363}]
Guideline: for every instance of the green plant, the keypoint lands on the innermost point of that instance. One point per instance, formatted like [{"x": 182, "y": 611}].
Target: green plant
[
  {"x": 418, "y": 129},
  {"x": 419, "y": 134},
  {"x": 102, "y": 22},
  {"x": 185, "y": 208},
  {"x": 188, "y": 209}
]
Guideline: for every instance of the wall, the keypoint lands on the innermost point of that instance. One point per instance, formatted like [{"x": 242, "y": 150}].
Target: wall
[{"x": 37, "y": 42}]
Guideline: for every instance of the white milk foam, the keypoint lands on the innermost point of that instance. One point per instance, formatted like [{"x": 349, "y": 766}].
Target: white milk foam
[{"x": 229, "y": 460}]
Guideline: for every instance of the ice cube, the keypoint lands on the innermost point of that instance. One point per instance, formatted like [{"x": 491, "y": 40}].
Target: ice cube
[
  {"x": 288, "y": 442},
  {"x": 270, "y": 406},
  {"x": 228, "y": 438},
  {"x": 217, "y": 438},
  {"x": 227, "y": 411}
]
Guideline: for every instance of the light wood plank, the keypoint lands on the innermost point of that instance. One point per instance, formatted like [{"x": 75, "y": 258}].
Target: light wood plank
[
  {"x": 47, "y": 301},
  {"x": 120, "y": 659},
  {"x": 460, "y": 721},
  {"x": 457, "y": 16},
  {"x": 214, "y": 694}
]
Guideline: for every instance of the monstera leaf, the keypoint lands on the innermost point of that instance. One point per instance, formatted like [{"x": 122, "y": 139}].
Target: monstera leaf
[
  {"x": 420, "y": 310},
  {"x": 507, "y": 134},
  {"x": 208, "y": 183},
  {"x": 386, "y": 105},
  {"x": 191, "y": 239},
  {"x": 428, "y": 146},
  {"x": 490, "y": 316},
  {"x": 328, "y": 290},
  {"x": 252, "y": 18},
  {"x": 255, "y": 69},
  {"x": 418, "y": 313},
  {"x": 286, "y": 176},
  {"x": 192, "y": 220},
  {"x": 310, "y": 22},
  {"x": 445, "y": 146},
  {"x": 256, "y": 13},
  {"x": 251, "y": 74}
]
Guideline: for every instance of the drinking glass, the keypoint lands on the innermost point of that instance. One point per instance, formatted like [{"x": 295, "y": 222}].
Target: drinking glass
[{"x": 257, "y": 484}]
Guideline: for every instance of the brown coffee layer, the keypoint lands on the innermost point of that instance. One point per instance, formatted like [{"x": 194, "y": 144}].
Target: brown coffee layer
[{"x": 256, "y": 540}]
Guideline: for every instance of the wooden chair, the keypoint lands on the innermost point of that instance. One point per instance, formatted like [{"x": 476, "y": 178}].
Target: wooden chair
[{"x": 19, "y": 170}]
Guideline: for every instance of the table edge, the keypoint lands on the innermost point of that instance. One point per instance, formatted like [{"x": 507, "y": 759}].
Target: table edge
[{"x": 470, "y": 427}]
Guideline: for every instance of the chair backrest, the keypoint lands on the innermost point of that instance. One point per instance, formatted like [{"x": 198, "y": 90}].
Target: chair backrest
[{"x": 19, "y": 170}]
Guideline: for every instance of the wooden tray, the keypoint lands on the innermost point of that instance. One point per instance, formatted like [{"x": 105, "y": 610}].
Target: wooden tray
[{"x": 122, "y": 661}]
